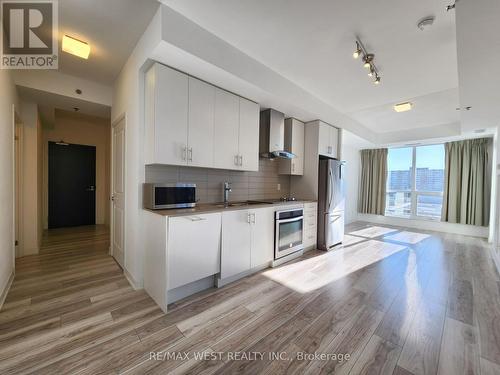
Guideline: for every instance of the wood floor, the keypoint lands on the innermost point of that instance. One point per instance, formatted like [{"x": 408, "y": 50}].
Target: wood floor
[{"x": 395, "y": 301}]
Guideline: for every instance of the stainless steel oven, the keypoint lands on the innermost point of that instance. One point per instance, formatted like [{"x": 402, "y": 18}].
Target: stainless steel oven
[
  {"x": 162, "y": 196},
  {"x": 288, "y": 236}
]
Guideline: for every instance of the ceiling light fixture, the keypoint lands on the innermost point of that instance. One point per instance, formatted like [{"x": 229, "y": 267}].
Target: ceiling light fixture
[
  {"x": 368, "y": 61},
  {"x": 403, "y": 107},
  {"x": 75, "y": 47},
  {"x": 425, "y": 23}
]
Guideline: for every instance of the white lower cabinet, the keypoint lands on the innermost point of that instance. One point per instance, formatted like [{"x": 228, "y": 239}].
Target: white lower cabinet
[
  {"x": 193, "y": 248},
  {"x": 310, "y": 225},
  {"x": 236, "y": 237},
  {"x": 262, "y": 239},
  {"x": 247, "y": 240}
]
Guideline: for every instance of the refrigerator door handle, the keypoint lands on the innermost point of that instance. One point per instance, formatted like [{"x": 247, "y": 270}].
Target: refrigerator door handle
[{"x": 330, "y": 189}]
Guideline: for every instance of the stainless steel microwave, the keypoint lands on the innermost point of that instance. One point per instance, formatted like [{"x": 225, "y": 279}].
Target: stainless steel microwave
[{"x": 164, "y": 196}]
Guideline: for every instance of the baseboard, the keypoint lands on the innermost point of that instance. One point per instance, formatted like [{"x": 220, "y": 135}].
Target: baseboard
[
  {"x": 436, "y": 226},
  {"x": 6, "y": 289},
  {"x": 133, "y": 283}
]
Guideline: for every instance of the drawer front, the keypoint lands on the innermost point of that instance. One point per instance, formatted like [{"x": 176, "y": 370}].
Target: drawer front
[{"x": 308, "y": 207}]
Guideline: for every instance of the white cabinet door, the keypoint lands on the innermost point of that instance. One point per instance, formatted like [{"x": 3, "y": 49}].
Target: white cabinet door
[
  {"x": 324, "y": 139},
  {"x": 249, "y": 135},
  {"x": 328, "y": 140},
  {"x": 193, "y": 248},
  {"x": 170, "y": 120},
  {"x": 236, "y": 243},
  {"x": 334, "y": 141},
  {"x": 262, "y": 251},
  {"x": 227, "y": 112},
  {"x": 201, "y": 123},
  {"x": 297, "y": 164}
]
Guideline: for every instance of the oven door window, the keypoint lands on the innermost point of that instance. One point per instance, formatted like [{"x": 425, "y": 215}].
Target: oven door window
[{"x": 290, "y": 234}]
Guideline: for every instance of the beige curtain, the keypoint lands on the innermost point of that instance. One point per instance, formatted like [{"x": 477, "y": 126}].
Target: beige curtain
[
  {"x": 372, "y": 187},
  {"x": 466, "y": 195}
]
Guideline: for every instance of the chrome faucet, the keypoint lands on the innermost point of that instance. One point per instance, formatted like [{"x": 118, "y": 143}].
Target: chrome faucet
[{"x": 226, "y": 190}]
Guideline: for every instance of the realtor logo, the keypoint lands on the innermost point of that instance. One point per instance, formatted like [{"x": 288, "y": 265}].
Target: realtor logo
[{"x": 29, "y": 34}]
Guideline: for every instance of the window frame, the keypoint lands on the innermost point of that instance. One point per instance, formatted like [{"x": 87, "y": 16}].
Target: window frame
[{"x": 414, "y": 193}]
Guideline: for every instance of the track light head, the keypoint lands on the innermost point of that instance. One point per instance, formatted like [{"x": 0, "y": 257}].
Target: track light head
[
  {"x": 368, "y": 61},
  {"x": 358, "y": 51},
  {"x": 377, "y": 80},
  {"x": 371, "y": 72}
]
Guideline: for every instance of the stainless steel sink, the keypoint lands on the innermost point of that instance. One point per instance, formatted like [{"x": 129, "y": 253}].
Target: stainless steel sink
[{"x": 240, "y": 204}]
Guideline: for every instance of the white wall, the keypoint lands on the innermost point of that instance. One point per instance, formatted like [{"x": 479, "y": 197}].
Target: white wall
[
  {"x": 7, "y": 100},
  {"x": 351, "y": 147},
  {"x": 128, "y": 96},
  {"x": 32, "y": 177}
]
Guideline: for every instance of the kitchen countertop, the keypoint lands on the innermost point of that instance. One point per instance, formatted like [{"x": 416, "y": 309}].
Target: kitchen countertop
[{"x": 205, "y": 208}]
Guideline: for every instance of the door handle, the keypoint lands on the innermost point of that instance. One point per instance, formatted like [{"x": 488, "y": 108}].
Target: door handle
[{"x": 90, "y": 188}]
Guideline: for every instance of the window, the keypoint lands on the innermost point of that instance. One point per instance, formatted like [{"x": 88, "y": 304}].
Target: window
[
  {"x": 415, "y": 182},
  {"x": 399, "y": 186}
]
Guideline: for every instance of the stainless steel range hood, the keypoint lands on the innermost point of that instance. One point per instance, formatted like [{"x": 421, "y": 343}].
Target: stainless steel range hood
[{"x": 272, "y": 135}]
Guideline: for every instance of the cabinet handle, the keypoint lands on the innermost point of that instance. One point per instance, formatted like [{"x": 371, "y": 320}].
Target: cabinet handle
[
  {"x": 236, "y": 160},
  {"x": 253, "y": 218},
  {"x": 190, "y": 151},
  {"x": 196, "y": 218},
  {"x": 293, "y": 166},
  {"x": 184, "y": 153},
  {"x": 329, "y": 149},
  {"x": 248, "y": 219},
  {"x": 241, "y": 160}
]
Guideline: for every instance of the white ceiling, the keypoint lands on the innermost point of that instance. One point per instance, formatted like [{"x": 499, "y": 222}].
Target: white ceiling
[
  {"x": 111, "y": 27},
  {"x": 311, "y": 44},
  {"x": 48, "y": 103}
]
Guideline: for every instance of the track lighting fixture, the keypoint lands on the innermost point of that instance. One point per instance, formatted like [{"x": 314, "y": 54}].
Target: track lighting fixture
[{"x": 368, "y": 61}]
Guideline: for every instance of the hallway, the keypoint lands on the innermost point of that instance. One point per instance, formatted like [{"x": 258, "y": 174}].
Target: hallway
[{"x": 70, "y": 297}]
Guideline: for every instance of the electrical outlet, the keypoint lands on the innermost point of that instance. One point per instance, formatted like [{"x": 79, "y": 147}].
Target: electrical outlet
[{"x": 278, "y": 187}]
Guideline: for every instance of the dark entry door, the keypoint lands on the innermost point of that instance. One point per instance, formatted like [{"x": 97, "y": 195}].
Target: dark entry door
[{"x": 71, "y": 185}]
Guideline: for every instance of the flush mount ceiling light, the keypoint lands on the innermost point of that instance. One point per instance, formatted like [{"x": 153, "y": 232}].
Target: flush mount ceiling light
[
  {"x": 425, "y": 23},
  {"x": 75, "y": 47},
  {"x": 403, "y": 107},
  {"x": 368, "y": 61}
]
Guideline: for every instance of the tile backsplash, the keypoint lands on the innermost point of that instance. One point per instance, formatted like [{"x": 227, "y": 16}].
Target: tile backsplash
[{"x": 245, "y": 185}]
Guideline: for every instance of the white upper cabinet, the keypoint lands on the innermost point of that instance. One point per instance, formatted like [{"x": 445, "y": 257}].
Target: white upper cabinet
[
  {"x": 328, "y": 140},
  {"x": 294, "y": 143},
  {"x": 166, "y": 116},
  {"x": 200, "y": 151},
  {"x": 227, "y": 123},
  {"x": 249, "y": 135},
  {"x": 190, "y": 122}
]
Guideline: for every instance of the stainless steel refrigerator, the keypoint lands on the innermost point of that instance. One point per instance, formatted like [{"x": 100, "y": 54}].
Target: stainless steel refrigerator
[{"x": 331, "y": 203}]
